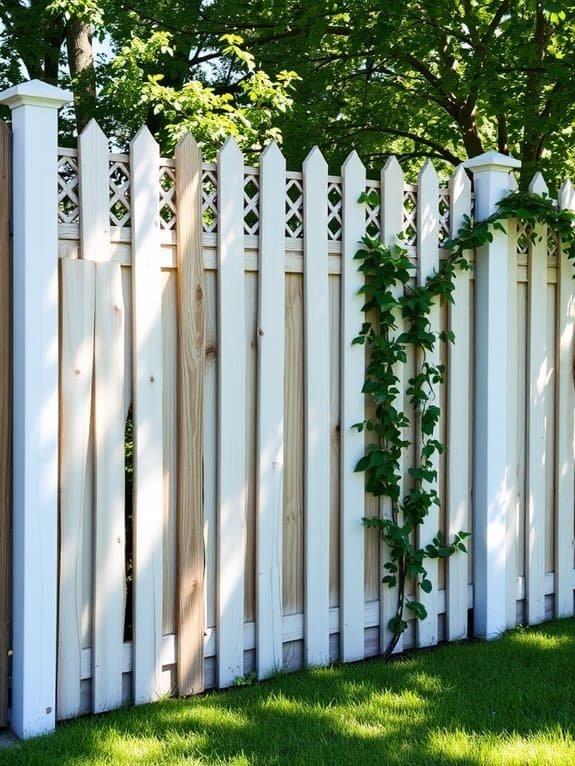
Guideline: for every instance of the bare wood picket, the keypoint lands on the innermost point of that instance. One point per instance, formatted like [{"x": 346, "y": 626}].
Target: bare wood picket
[
  {"x": 317, "y": 415},
  {"x": 148, "y": 481},
  {"x": 94, "y": 193},
  {"x": 427, "y": 265},
  {"x": 537, "y": 381}
]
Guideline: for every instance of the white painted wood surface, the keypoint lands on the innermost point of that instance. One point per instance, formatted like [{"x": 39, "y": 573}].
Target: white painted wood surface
[
  {"x": 457, "y": 495},
  {"x": 391, "y": 223},
  {"x": 427, "y": 265},
  {"x": 148, "y": 479},
  {"x": 94, "y": 193},
  {"x": 565, "y": 427},
  {"x": 317, "y": 415},
  {"x": 76, "y": 371},
  {"x": 109, "y": 523},
  {"x": 35, "y": 344},
  {"x": 270, "y": 414},
  {"x": 537, "y": 381},
  {"x": 231, "y": 415},
  {"x": 352, "y": 498}
]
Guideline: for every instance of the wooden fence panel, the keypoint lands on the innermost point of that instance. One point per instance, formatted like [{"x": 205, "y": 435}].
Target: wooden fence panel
[
  {"x": 317, "y": 414},
  {"x": 231, "y": 524},
  {"x": 458, "y": 496},
  {"x": 427, "y": 264},
  {"x": 270, "y": 426},
  {"x": 537, "y": 381},
  {"x": 78, "y": 280},
  {"x": 147, "y": 363},
  {"x": 565, "y": 426},
  {"x": 5, "y": 417}
]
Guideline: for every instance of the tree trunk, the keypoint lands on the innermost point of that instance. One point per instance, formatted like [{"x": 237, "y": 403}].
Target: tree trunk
[{"x": 81, "y": 62}]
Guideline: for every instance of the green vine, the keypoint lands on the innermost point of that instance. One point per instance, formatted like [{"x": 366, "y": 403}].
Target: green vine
[{"x": 388, "y": 295}]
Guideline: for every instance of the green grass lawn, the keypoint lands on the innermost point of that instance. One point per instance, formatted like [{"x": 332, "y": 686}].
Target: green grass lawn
[{"x": 506, "y": 702}]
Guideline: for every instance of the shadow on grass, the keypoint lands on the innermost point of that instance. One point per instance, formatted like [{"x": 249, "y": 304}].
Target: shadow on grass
[{"x": 506, "y": 702}]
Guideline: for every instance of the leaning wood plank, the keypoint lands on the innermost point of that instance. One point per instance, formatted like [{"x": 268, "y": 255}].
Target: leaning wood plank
[
  {"x": 565, "y": 427},
  {"x": 537, "y": 380},
  {"x": 513, "y": 367},
  {"x": 427, "y": 264},
  {"x": 109, "y": 523},
  {"x": 76, "y": 372},
  {"x": 5, "y": 417},
  {"x": 392, "y": 183},
  {"x": 458, "y": 493},
  {"x": 94, "y": 193},
  {"x": 270, "y": 419},
  {"x": 352, "y": 360},
  {"x": 148, "y": 483},
  {"x": 317, "y": 414},
  {"x": 231, "y": 415},
  {"x": 191, "y": 361}
]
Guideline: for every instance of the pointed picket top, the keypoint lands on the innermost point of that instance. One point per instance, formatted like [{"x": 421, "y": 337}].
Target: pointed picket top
[
  {"x": 392, "y": 171},
  {"x": 538, "y": 185},
  {"x": 459, "y": 183},
  {"x": 230, "y": 149},
  {"x": 567, "y": 195},
  {"x": 391, "y": 208},
  {"x": 272, "y": 153},
  {"x": 144, "y": 137},
  {"x": 93, "y": 132},
  {"x": 513, "y": 185},
  {"x": 352, "y": 163},
  {"x": 187, "y": 143},
  {"x": 428, "y": 173},
  {"x": 315, "y": 160}
]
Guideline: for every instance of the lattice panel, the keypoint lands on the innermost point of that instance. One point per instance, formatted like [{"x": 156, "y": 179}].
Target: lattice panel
[
  {"x": 167, "y": 198},
  {"x": 119, "y": 181},
  {"x": 372, "y": 219},
  {"x": 522, "y": 239},
  {"x": 444, "y": 222},
  {"x": 334, "y": 211},
  {"x": 294, "y": 208},
  {"x": 251, "y": 204},
  {"x": 410, "y": 218},
  {"x": 210, "y": 201},
  {"x": 68, "y": 190}
]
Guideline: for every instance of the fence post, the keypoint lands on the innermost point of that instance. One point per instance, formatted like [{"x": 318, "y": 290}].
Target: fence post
[
  {"x": 34, "y": 106},
  {"x": 491, "y": 479}
]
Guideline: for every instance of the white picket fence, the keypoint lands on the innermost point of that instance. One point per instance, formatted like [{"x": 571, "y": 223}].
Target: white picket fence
[{"x": 217, "y": 303}]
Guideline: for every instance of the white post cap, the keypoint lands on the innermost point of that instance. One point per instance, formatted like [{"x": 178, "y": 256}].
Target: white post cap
[
  {"x": 37, "y": 93},
  {"x": 489, "y": 161}
]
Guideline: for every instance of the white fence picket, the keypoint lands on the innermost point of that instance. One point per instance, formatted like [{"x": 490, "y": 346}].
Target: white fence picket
[
  {"x": 94, "y": 193},
  {"x": 537, "y": 382},
  {"x": 317, "y": 414},
  {"x": 76, "y": 370},
  {"x": 391, "y": 213},
  {"x": 352, "y": 498},
  {"x": 427, "y": 265},
  {"x": 457, "y": 495},
  {"x": 148, "y": 482},
  {"x": 565, "y": 426},
  {"x": 109, "y": 522},
  {"x": 231, "y": 415},
  {"x": 270, "y": 426}
]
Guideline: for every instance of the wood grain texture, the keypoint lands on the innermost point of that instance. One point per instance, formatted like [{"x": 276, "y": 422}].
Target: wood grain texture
[
  {"x": 191, "y": 356},
  {"x": 94, "y": 193},
  {"x": 76, "y": 374},
  {"x": 147, "y": 364},
  {"x": 5, "y": 416},
  {"x": 109, "y": 521}
]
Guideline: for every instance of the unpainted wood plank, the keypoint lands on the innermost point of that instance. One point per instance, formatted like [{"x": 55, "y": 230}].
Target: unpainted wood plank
[
  {"x": 352, "y": 371},
  {"x": 270, "y": 417},
  {"x": 94, "y": 193},
  {"x": 191, "y": 361},
  {"x": 109, "y": 522},
  {"x": 231, "y": 415},
  {"x": 5, "y": 416},
  {"x": 316, "y": 433},
  {"x": 211, "y": 449},
  {"x": 458, "y": 415},
  {"x": 565, "y": 426},
  {"x": 427, "y": 264},
  {"x": 537, "y": 382},
  {"x": 76, "y": 375},
  {"x": 147, "y": 363}
]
